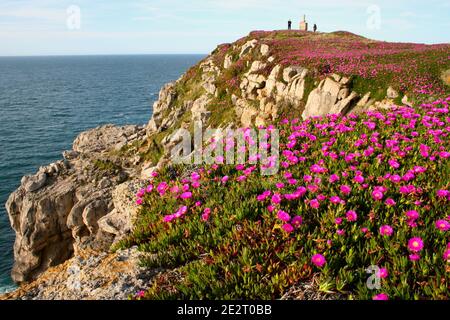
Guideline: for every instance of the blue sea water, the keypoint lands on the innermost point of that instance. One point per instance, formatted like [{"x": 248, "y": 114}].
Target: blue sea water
[{"x": 45, "y": 102}]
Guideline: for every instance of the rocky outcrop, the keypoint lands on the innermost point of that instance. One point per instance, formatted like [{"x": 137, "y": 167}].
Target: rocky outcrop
[
  {"x": 90, "y": 275},
  {"x": 57, "y": 210}
]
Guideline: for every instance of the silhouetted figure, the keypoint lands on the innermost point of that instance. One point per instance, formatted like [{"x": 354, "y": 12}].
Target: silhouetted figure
[
  {"x": 289, "y": 25},
  {"x": 315, "y": 27}
]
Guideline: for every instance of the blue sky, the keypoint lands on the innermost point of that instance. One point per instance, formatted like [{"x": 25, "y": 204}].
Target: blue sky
[{"x": 40, "y": 27}]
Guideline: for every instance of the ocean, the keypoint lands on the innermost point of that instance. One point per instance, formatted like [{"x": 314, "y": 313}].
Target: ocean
[{"x": 45, "y": 102}]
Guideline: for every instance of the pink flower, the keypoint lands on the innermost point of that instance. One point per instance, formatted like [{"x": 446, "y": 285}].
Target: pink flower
[
  {"x": 383, "y": 273},
  {"x": 442, "y": 225},
  {"x": 335, "y": 200},
  {"x": 140, "y": 294},
  {"x": 415, "y": 244},
  {"x": 206, "y": 213},
  {"x": 414, "y": 257},
  {"x": 186, "y": 195},
  {"x": 283, "y": 216},
  {"x": 346, "y": 189},
  {"x": 318, "y": 260},
  {"x": 276, "y": 199},
  {"x": 390, "y": 202},
  {"x": 139, "y": 201},
  {"x": 338, "y": 221},
  {"x": 141, "y": 193},
  {"x": 359, "y": 179},
  {"x": 413, "y": 215},
  {"x": 377, "y": 195},
  {"x": 386, "y": 231},
  {"x": 340, "y": 232},
  {"x": 280, "y": 185},
  {"x": 162, "y": 188},
  {"x": 394, "y": 163},
  {"x": 381, "y": 297},
  {"x": 149, "y": 188},
  {"x": 352, "y": 216},
  {"x": 288, "y": 228},
  {"x": 364, "y": 230},
  {"x": 447, "y": 255},
  {"x": 334, "y": 178},
  {"x": 169, "y": 218},
  {"x": 314, "y": 204},
  {"x": 443, "y": 193},
  {"x": 297, "y": 221},
  {"x": 225, "y": 179}
]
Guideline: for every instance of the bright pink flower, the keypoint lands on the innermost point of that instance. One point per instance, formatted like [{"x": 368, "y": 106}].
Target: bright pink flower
[
  {"x": 340, "y": 232},
  {"x": 335, "y": 200},
  {"x": 162, "y": 188},
  {"x": 334, "y": 178},
  {"x": 414, "y": 257},
  {"x": 280, "y": 185},
  {"x": 413, "y": 215},
  {"x": 377, "y": 195},
  {"x": 383, "y": 273},
  {"x": 352, "y": 216},
  {"x": 338, "y": 221},
  {"x": 415, "y": 244},
  {"x": 288, "y": 228},
  {"x": 381, "y": 297},
  {"x": 318, "y": 260},
  {"x": 443, "y": 225},
  {"x": 284, "y": 216},
  {"x": 394, "y": 163},
  {"x": 390, "y": 202},
  {"x": 297, "y": 221},
  {"x": 149, "y": 188},
  {"x": 359, "y": 179},
  {"x": 225, "y": 179},
  {"x": 386, "y": 231},
  {"x": 314, "y": 204},
  {"x": 139, "y": 201},
  {"x": 364, "y": 230},
  {"x": 443, "y": 193},
  {"x": 140, "y": 294},
  {"x": 141, "y": 193},
  {"x": 346, "y": 189},
  {"x": 186, "y": 195},
  {"x": 276, "y": 199},
  {"x": 169, "y": 218},
  {"x": 447, "y": 255}
]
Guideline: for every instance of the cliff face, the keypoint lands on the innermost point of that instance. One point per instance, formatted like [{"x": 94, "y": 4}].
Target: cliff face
[{"x": 72, "y": 211}]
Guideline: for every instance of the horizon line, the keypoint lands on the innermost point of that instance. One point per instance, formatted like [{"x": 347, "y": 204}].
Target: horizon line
[{"x": 101, "y": 54}]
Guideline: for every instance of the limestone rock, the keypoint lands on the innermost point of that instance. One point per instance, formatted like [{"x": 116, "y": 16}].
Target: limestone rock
[
  {"x": 290, "y": 72},
  {"x": 34, "y": 183},
  {"x": 392, "y": 93},
  {"x": 248, "y": 46},
  {"x": 228, "y": 61},
  {"x": 265, "y": 49}
]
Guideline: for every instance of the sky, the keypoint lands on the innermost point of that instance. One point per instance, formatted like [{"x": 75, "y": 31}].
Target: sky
[{"x": 83, "y": 27}]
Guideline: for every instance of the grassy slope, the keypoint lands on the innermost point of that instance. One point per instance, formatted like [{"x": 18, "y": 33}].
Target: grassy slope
[{"x": 241, "y": 251}]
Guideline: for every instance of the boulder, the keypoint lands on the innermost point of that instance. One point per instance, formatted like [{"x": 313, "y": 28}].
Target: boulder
[
  {"x": 392, "y": 93},
  {"x": 34, "y": 183},
  {"x": 265, "y": 49}
]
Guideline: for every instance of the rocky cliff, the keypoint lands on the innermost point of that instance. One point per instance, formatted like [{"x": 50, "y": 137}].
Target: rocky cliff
[{"x": 70, "y": 213}]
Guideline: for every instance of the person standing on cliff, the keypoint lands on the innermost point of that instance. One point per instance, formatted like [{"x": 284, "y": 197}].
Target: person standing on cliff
[
  {"x": 315, "y": 27},
  {"x": 289, "y": 25}
]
